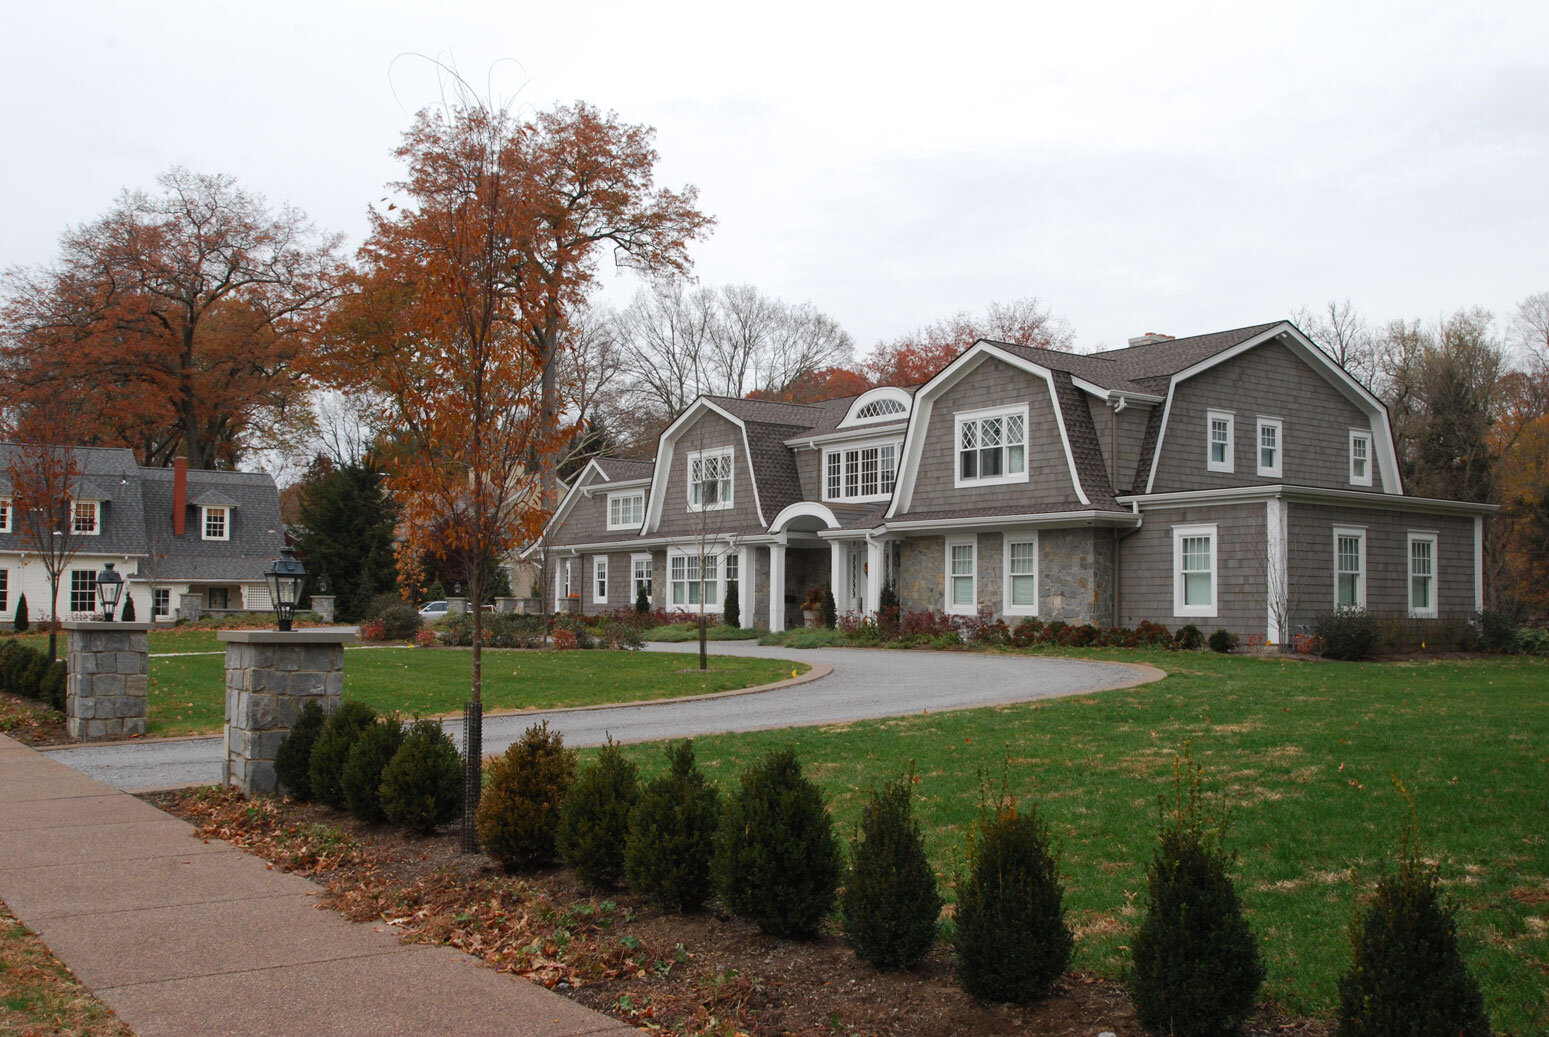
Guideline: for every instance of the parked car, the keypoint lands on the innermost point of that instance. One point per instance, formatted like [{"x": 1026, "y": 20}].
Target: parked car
[{"x": 433, "y": 610}]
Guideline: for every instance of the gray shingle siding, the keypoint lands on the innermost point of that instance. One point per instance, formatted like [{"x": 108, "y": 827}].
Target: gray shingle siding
[
  {"x": 1268, "y": 381},
  {"x": 1242, "y": 560},
  {"x": 709, "y": 432}
]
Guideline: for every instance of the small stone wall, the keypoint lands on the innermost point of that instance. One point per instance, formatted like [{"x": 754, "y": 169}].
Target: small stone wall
[
  {"x": 322, "y": 604},
  {"x": 106, "y": 686},
  {"x": 270, "y": 676}
]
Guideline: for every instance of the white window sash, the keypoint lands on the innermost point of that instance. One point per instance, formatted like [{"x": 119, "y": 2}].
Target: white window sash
[
  {"x": 1422, "y": 606},
  {"x": 1213, "y": 419},
  {"x": 962, "y": 574},
  {"x": 1276, "y": 450},
  {"x": 1182, "y": 535},
  {"x": 710, "y": 468},
  {"x": 1023, "y": 573},
  {"x": 990, "y": 439},
  {"x": 93, "y": 515},
  {"x": 1343, "y": 573},
  {"x": 1361, "y": 476},
  {"x": 600, "y": 580}
]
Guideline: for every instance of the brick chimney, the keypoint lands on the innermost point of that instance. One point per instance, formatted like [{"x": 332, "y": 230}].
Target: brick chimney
[
  {"x": 1150, "y": 338},
  {"x": 179, "y": 494}
]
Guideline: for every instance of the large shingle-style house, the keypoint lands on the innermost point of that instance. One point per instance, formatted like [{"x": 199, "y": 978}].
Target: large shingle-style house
[
  {"x": 172, "y": 533},
  {"x": 1239, "y": 479}
]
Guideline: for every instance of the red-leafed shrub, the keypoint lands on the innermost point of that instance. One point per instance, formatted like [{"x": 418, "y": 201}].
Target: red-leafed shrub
[
  {"x": 564, "y": 639},
  {"x": 425, "y": 637},
  {"x": 1027, "y": 633},
  {"x": 373, "y": 630},
  {"x": 925, "y": 623}
]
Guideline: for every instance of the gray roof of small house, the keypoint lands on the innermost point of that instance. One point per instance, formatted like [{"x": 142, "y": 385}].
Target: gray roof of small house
[
  {"x": 107, "y": 474},
  {"x": 254, "y": 526}
]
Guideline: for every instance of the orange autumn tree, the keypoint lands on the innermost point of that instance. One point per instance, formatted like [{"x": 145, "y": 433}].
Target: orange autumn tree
[
  {"x": 916, "y": 357},
  {"x": 175, "y": 321}
]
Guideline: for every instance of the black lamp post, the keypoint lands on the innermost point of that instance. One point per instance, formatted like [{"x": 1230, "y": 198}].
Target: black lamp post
[
  {"x": 285, "y": 582},
  {"x": 110, "y": 586}
]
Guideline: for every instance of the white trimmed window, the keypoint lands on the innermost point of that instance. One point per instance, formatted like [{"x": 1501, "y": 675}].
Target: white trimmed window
[
  {"x": 1194, "y": 570},
  {"x": 600, "y": 580},
  {"x": 991, "y": 447},
  {"x": 694, "y": 581},
  {"x": 626, "y": 510},
  {"x": 83, "y": 590},
  {"x": 5, "y": 591},
  {"x": 860, "y": 473},
  {"x": 640, "y": 566},
  {"x": 161, "y": 601},
  {"x": 1349, "y": 567},
  {"x": 886, "y": 407},
  {"x": 1220, "y": 443},
  {"x": 1422, "y": 576},
  {"x": 1360, "y": 458},
  {"x": 5, "y": 514},
  {"x": 1022, "y": 576},
  {"x": 216, "y": 523},
  {"x": 709, "y": 480},
  {"x": 1270, "y": 444},
  {"x": 86, "y": 517},
  {"x": 962, "y": 577}
]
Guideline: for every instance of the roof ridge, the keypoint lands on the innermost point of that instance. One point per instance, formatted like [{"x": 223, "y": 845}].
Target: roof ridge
[{"x": 1107, "y": 354}]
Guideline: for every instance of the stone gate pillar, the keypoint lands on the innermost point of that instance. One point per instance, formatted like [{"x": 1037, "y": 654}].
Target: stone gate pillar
[
  {"x": 107, "y": 682},
  {"x": 270, "y": 676},
  {"x": 322, "y": 604}
]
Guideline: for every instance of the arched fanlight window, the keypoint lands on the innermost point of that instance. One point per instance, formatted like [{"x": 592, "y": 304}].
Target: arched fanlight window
[{"x": 880, "y": 408}]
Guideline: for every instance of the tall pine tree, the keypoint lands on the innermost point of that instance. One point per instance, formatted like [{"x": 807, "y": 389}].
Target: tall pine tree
[{"x": 347, "y": 519}]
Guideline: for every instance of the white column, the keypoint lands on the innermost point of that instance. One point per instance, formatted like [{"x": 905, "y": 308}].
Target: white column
[
  {"x": 1478, "y": 563},
  {"x": 839, "y": 574},
  {"x": 776, "y": 587},
  {"x": 745, "y": 584},
  {"x": 1277, "y": 588},
  {"x": 874, "y": 576}
]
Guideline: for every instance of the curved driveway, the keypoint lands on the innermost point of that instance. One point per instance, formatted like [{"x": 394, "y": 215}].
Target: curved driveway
[{"x": 865, "y": 684}]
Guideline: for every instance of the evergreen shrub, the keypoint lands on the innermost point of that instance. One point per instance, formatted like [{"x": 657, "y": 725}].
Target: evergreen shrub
[
  {"x": 293, "y": 759},
  {"x": 422, "y": 786},
  {"x": 830, "y": 611},
  {"x": 9, "y": 649},
  {"x": 594, "y": 818},
  {"x": 731, "y": 606},
  {"x": 1498, "y": 632},
  {"x": 1407, "y": 975},
  {"x": 127, "y": 615},
  {"x": 54, "y": 686},
  {"x": 1196, "y": 966},
  {"x": 1223, "y": 641},
  {"x": 1011, "y": 939},
  {"x": 331, "y": 751},
  {"x": 32, "y": 676},
  {"x": 777, "y": 863},
  {"x": 399, "y": 619},
  {"x": 1349, "y": 634},
  {"x": 519, "y": 812},
  {"x": 642, "y": 601},
  {"x": 890, "y": 902},
  {"x": 671, "y": 839},
  {"x": 361, "y": 778},
  {"x": 1189, "y": 637},
  {"x": 22, "y": 620}
]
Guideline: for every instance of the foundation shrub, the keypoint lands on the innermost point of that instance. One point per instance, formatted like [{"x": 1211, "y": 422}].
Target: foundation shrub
[
  {"x": 331, "y": 751},
  {"x": 1010, "y": 937},
  {"x": 399, "y": 619},
  {"x": 1196, "y": 966},
  {"x": 1407, "y": 974},
  {"x": 1349, "y": 634},
  {"x": 594, "y": 818},
  {"x": 777, "y": 862},
  {"x": 1083, "y": 636},
  {"x": 1027, "y": 633},
  {"x": 731, "y": 605},
  {"x": 361, "y": 778},
  {"x": 1223, "y": 641},
  {"x": 642, "y": 601},
  {"x": 1149, "y": 633},
  {"x": 924, "y": 622},
  {"x": 422, "y": 786},
  {"x": 890, "y": 902},
  {"x": 950, "y": 639},
  {"x": 519, "y": 812},
  {"x": 22, "y": 619},
  {"x": 830, "y": 610},
  {"x": 1498, "y": 632},
  {"x": 576, "y": 627},
  {"x": 1189, "y": 638},
  {"x": 620, "y": 637},
  {"x": 293, "y": 759},
  {"x": 671, "y": 840},
  {"x": 983, "y": 628},
  {"x": 565, "y": 640}
]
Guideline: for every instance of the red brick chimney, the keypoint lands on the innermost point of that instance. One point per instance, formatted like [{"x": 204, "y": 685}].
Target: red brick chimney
[{"x": 179, "y": 494}]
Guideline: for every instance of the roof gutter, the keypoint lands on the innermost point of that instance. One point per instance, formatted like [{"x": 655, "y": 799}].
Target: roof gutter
[{"x": 1306, "y": 495}]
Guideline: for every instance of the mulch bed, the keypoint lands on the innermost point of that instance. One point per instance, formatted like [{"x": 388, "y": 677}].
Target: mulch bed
[
  {"x": 700, "y": 973},
  {"x": 30, "y": 722}
]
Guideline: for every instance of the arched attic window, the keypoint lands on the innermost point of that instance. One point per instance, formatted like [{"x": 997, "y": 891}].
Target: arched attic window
[
  {"x": 880, "y": 409},
  {"x": 881, "y": 404}
]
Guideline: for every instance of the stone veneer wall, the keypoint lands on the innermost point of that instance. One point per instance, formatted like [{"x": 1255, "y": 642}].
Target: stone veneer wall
[
  {"x": 922, "y": 573},
  {"x": 270, "y": 676},
  {"x": 1075, "y": 575},
  {"x": 106, "y": 686}
]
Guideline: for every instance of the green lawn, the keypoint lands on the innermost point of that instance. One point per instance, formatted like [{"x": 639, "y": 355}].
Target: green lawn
[
  {"x": 1303, "y": 750},
  {"x": 187, "y": 694}
]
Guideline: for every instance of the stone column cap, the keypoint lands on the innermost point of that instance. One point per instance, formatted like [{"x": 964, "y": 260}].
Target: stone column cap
[
  {"x": 309, "y": 636},
  {"x": 88, "y": 624}
]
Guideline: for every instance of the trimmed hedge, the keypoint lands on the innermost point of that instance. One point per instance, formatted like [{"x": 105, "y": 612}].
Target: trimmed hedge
[
  {"x": 422, "y": 787},
  {"x": 594, "y": 818},
  {"x": 671, "y": 841}
]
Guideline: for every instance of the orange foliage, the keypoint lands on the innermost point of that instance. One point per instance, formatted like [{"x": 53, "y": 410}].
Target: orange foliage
[
  {"x": 827, "y": 383},
  {"x": 915, "y": 358}
]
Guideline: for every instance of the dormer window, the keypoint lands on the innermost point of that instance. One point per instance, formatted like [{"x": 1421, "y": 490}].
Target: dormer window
[
  {"x": 709, "y": 480},
  {"x": 5, "y": 514},
  {"x": 860, "y": 472},
  {"x": 1218, "y": 444},
  {"x": 86, "y": 518},
  {"x": 992, "y": 447},
  {"x": 216, "y": 523},
  {"x": 880, "y": 409},
  {"x": 1360, "y": 458},
  {"x": 882, "y": 404},
  {"x": 626, "y": 510}
]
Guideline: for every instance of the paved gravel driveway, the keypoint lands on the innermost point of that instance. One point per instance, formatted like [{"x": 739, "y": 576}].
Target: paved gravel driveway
[{"x": 866, "y": 683}]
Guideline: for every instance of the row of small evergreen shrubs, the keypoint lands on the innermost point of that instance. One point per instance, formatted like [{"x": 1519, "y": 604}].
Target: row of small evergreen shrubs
[
  {"x": 377, "y": 768},
  {"x": 25, "y": 671}
]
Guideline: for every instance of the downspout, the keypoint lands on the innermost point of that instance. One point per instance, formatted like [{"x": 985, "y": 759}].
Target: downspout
[
  {"x": 1113, "y": 481},
  {"x": 1117, "y": 540}
]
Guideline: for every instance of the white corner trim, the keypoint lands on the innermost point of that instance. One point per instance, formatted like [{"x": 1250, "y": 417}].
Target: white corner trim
[
  {"x": 1277, "y": 588},
  {"x": 1478, "y": 563}
]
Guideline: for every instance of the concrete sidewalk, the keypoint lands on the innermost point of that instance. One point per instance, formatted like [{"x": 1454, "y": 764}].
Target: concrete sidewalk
[{"x": 180, "y": 936}]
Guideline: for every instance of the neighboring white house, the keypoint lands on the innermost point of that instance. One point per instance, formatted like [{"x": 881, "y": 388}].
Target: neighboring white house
[{"x": 172, "y": 532}]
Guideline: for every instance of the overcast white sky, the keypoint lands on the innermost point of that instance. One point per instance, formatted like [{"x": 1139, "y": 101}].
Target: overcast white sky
[{"x": 1177, "y": 167}]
